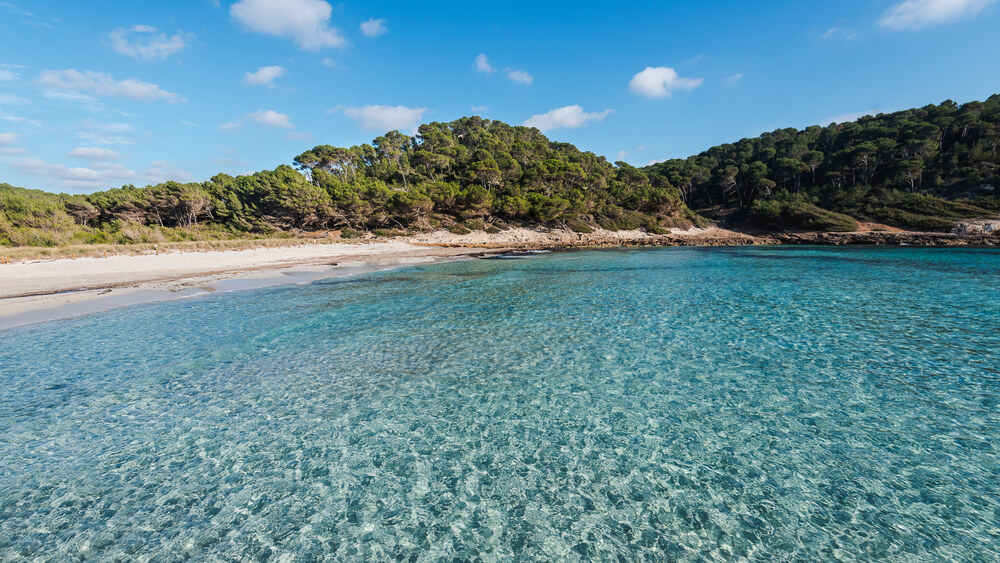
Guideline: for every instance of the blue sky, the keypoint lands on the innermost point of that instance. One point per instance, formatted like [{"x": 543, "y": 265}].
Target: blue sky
[{"x": 99, "y": 94}]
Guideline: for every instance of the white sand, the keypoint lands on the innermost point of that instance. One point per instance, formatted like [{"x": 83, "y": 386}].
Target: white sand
[{"x": 46, "y": 289}]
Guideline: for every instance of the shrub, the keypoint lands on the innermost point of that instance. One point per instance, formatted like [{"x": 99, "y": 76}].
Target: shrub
[
  {"x": 579, "y": 226},
  {"x": 787, "y": 211}
]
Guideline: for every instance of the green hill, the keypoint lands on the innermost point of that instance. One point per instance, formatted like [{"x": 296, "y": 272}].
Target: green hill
[
  {"x": 471, "y": 173},
  {"x": 921, "y": 169}
]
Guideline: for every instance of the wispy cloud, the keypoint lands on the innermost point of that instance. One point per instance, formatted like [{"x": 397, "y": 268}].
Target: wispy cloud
[
  {"x": 733, "y": 79},
  {"x": 96, "y": 177},
  {"x": 660, "y": 82},
  {"x": 9, "y": 138},
  {"x": 374, "y": 28},
  {"x": 28, "y": 18},
  {"x": 271, "y": 118},
  {"x": 105, "y": 133},
  {"x": 6, "y": 74},
  {"x": 162, "y": 171},
  {"x": 837, "y": 32},
  {"x": 519, "y": 76},
  {"x": 19, "y": 119},
  {"x": 382, "y": 118},
  {"x": 483, "y": 64},
  {"x": 264, "y": 76},
  {"x": 141, "y": 42},
  {"x": 72, "y": 81},
  {"x": 17, "y": 11},
  {"x": 307, "y": 22},
  {"x": 845, "y": 118},
  {"x": 9, "y": 100},
  {"x": 565, "y": 117},
  {"x": 915, "y": 14},
  {"x": 95, "y": 153}
]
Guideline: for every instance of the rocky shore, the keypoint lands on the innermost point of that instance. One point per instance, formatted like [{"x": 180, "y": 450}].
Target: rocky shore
[{"x": 722, "y": 237}]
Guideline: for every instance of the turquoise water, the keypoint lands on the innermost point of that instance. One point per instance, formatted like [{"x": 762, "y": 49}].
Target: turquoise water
[{"x": 692, "y": 404}]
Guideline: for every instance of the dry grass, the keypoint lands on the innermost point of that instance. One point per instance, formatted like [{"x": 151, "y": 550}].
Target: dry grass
[{"x": 25, "y": 253}]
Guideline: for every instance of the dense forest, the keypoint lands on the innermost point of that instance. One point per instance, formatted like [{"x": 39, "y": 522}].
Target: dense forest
[
  {"x": 920, "y": 168},
  {"x": 923, "y": 169},
  {"x": 471, "y": 173}
]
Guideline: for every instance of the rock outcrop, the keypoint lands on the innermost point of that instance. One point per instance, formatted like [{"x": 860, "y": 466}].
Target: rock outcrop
[{"x": 977, "y": 227}]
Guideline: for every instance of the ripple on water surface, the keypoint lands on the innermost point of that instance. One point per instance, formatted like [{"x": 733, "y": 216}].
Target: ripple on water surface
[{"x": 693, "y": 404}]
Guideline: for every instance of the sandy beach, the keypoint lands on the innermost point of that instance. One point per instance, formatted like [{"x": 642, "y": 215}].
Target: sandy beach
[{"x": 39, "y": 290}]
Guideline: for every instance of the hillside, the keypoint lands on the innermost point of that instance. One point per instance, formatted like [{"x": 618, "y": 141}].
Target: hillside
[
  {"x": 920, "y": 169},
  {"x": 472, "y": 173}
]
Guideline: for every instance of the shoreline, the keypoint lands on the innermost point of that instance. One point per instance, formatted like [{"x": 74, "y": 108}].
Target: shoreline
[
  {"x": 44, "y": 290},
  {"x": 47, "y": 290}
]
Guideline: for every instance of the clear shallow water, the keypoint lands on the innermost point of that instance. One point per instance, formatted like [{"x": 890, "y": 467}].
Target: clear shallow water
[{"x": 694, "y": 404}]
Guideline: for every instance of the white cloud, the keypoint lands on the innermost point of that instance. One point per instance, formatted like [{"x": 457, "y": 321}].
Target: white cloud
[
  {"x": 264, "y": 76},
  {"x": 9, "y": 151},
  {"x": 162, "y": 171},
  {"x": 565, "y": 117},
  {"x": 139, "y": 42},
  {"x": 733, "y": 79},
  {"x": 836, "y": 32},
  {"x": 483, "y": 64},
  {"x": 78, "y": 177},
  {"x": 374, "y": 28},
  {"x": 19, "y": 119},
  {"x": 622, "y": 155},
  {"x": 660, "y": 82},
  {"x": 65, "y": 96},
  {"x": 8, "y": 74},
  {"x": 914, "y": 14},
  {"x": 31, "y": 19},
  {"x": 271, "y": 118},
  {"x": 519, "y": 76},
  {"x": 95, "y": 153},
  {"x": 479, "y": 109},
  {"x": 305, "y": 21},
  {"x": 230, "y": 125},
  {"x": 72, "y": 82},
  {"x": 8, "y": 100},
  {"x": 107, "y": 127},
  {"x": 9, "y": 138},
  {"x": 105, "y": 133},
  {"x": 17, "y": 11},
  {"x": 382, "y": 118}
]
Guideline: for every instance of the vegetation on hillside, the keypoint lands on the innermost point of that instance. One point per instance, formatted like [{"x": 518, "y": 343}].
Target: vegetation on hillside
[
  {"x": 921, "y": 168},
  {"x": 472, "y": 173}
]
